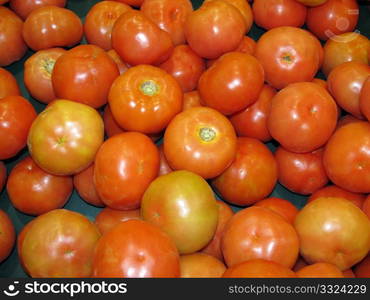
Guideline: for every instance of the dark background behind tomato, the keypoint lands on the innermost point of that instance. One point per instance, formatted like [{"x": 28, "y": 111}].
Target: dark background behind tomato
[{"x": 11, "y": 266}]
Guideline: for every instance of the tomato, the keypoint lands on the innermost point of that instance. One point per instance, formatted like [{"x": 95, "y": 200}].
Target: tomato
[
  {"x": 201, "y": 265},
  {"x": 200, "y": 140},
  {"x": 84, "y": 184},
  {"x": 312, "y": 2},
  {"x": 110, "y": 124},
  {"x": 217, "y": 27},
  {"x": 303, "y": 116},
  {"x": 136, "y": 3},
  {"x": 182, "y": 204},
  {"x": 258, "y": 268},
  {"x": 247, "y": 45},
  {"x": 8, "y": 84},
  {"x": 37, "y": 73},
  {"x": 125, "y": 165},
  {"x": 59, "y": 243},
  {"x": 259, "y": 233},
  {"x": 12, "y": 45},
  {"x": 232, "y": 83},
  {"x": 347, "y": 157},
  {"x": 191, "y": 99},
  {"x": 164, "y": 168},
  {"x": 366, "y": 206},
  {"x": 136, "y": 249},
  {"x": 362, "y": 270},
  {"x": 65, "y": 137},
  {"x": 321, "y": 82},
  {"x": 364, "y": 99},
  {"x": 346, "y": 119},
  {"x": 252, "y": 122},
  {"x": 99, "y": 22},
  {"x": 138, "y": 40},
  {"x": 288, "y": 55},
  {"x": 3, "y": 175},
  {"x": 122, "y": 66},
  {"x": 270, "y": 14},
  {"x": 52, "y": 26},
  {"x": 7, "y": 236},
  {"x": 3, "y": 1},
  {"x": 320, "y": 270},
  {"x": 185, "y": 66},
  {"x": 16, "y": 117},
  {"x": 24, "y": 7},
  {"x": 280, "y": 206},
  {"x": 109, "y": 218},
  {"x": 20, "y": 239},
  {"x": 84, "y": 74},
  {"x": 251, "y": 176},
  {"x": 332, "y": 18},
  {"x": 333, "y": 230}
]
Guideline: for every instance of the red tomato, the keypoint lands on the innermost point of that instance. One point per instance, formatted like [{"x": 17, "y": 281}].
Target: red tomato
[
  {"x": 3, "y": 175},
  {"x": 201, "y": 265},
  {"x": 33, "y": 191},
  {"x": 320, "y": 270},
  {"x": 185, "y": 66},
  {"x": 65, "y": 137},
  {"x": 362, "y": 270},
  {"x": 259, "y": 233},
  {"x": 303, "y": 116},
  {"x": 366, "y": 206},
  {"x": 200, "y": 140},
  {"x": 122, "y": 66},
  {"x": 215, "y": 28},
  {"x": 110, "y": 124},
  {"x": 247, "y": 45},
  {"x": 52, "y": 26},
  {"x": 138, "y": 40},
  {"x": 164, "y": 168},
  {"x": 37, "y": 73},
  {"x": 99, "y": 22},
  {"x": 252, "y": 122},
  {"x": 333, "y": 230},
  {"x": 12, "y": 46},
  {"x": 280, "y": 206},
  {"x": 251, "y": 176},
  {"x": 24, "y": 7},
  {"x": 312, "y": 2},
  {"x": 191, "y": 99},
  {"x": 232, "y": 83},
  {"x": 270, "y": 14},
  {"x": 84, "y": 184},
  {"x": 136, "y": 249},
  {"x": 8, "y": 84},
  {"x": 288, "y": 55},
  {"x": 364, "y": 99},
  {"x": 347, "y": 157},
  {"x": 125, "y": 165},
  {"x": 321, "y": 82},
  {"x": 135, "y": 3},
  {"x": 7, "y": 236},
  {"x": 84, "y": 74},
  {"x": 332, "y": 18},
  {"x": 16, "y": 117}
]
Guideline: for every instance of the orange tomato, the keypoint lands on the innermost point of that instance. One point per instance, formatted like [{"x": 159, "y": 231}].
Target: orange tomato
[
  {"x": 164, "y": 168},
  {"x": 8, "y": 84},
  {"x": 24, "y": 7},
  {"x": 191, "y": 99},
  {"x": 280, "y": 206},
  {"x": 201, "y": 265},
  {"x": 320, "y": 270},
  {"x": 366, "y": 206},
  {"x": 122, "y": 66},
  {"x": 312, "y": 2},
  {"x": 364, "y": 99},
  {"x": 110, "y": 124}
]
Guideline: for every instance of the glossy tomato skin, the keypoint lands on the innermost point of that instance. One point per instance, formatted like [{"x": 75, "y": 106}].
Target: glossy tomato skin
[
  {"x": 138, "y": 40},
  {"x": 100, "y": 20},
  {"x": 7, "y": 237},
  {"x": 347, "y": 157},
  {"x": 8, "y": 84},
  {"x": 303, "y": 116},
  {"x": 37, "y": 73},
  {"x": 191, "y": 99},
  {"x": 138, "y": 249},
  {"x": 125, "y": 165},
  {"x": 280, "y": 206},
  {"x": 251, "y": 176},
  {"x": 320, "y": 270},
  {"x": 16, "y": 117},
  {"x": 364, "y": 99},
  {"x": 12, "y": 45},
  {"x": 24, "y": 7},
  {"x": 84, "y": 74},
  {"x": 52, "y": 26},
  {"x": 145, "y": 99},
  {"x": 65, "y": 137},
  {"x": 215, "y": 28},
  {"x": 200, "y": 140},
  {"x": 200, "y": 265},
  {"x": 232, "y": 83},
  {"x": 182, "y": 204},
  {"x": 3, "y": 175}
]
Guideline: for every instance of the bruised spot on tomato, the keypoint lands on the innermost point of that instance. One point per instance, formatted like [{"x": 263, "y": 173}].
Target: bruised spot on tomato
[
  {"x": 207, "y": 134},
  {"x": 48, "y": 66},
  {"x": 149, "y": 88}
]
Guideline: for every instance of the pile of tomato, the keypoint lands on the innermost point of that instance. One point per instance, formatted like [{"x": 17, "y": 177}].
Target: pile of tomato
[{"x": 154, "y": 110}]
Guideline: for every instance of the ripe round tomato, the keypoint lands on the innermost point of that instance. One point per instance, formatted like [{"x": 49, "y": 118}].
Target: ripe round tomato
[
  {"x": 52, "y": 26},
  {"x": 16, "y": 117},
  {"x": 247, "y": 45},
  {"x": 3, "y": 175},
  {"x": 191, "y": 99},
  {"x": 201, "y": 265},
  {"x": 215, "y": 28},
  {"x": 333, "y": 230},
  {"x": 110, "y": 124},
  {"x": 24, "y": 7},
  {"x": 303, "y": 116},
  {"x": 200, "y": 140},
  {"x": 252, "y": 122},
  {"x": 259, "y": 233},
  {"x": 366, "y": 206},
  {"x": 320, "y": 270},
  {"x": 164, "y": 168},
  {"x": 136, "y": 249},
  {"x": 251, "y": 176},
  {"x": 332, "y": 18},
  {"x": 7, "y": 236},
  {"x": 288, "y": 55},
  {"x": 12, "y": 46},
  {"x": 125, "y": 165},
  {"x": 347, "y": 157},
  {"x": 84, "y": 184},
  {"x": 280, "y": 206},
  {"x": 100, "y": 20},
  {"x": 362, "y": 270},
  {"x": 312, "y": 2},
  {"x": 136, "y": 3},
  {"x": 364, "y": 99},
  {"x": 270, "y": 14},
  {"x": 322, "y": 83},
  {"x": 37, "y": 73},
  {"x": 8, "y": 84},
  {"x": 138, "y": 40},
  {"x": 232, "y": 83},
  {"x": 122, "y": 66},
  {"x": 65, "y": 137}
]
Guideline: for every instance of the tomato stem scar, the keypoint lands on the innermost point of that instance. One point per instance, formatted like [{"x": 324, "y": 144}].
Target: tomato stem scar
[
  {"x": 149, "y": 88},
  {"x": 207, "y": 134}
]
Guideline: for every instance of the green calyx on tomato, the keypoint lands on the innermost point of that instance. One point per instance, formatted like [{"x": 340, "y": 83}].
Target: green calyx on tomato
[
  {"x": 48, "y": 66},
  {"x": 149, "y": 88},
  {"x": 207, "y": 134}
]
